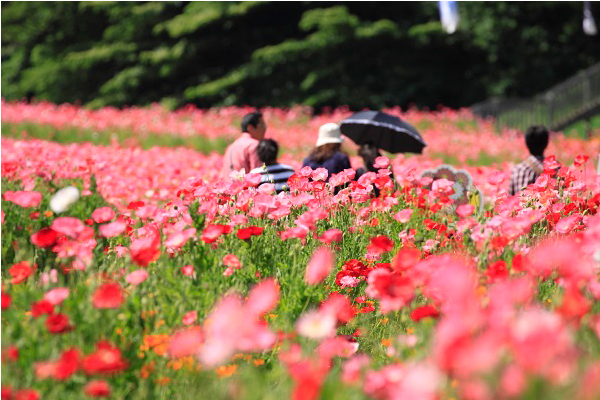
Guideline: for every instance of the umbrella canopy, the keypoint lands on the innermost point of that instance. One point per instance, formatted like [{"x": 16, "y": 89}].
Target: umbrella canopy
[{"x": 385, "y": 131}]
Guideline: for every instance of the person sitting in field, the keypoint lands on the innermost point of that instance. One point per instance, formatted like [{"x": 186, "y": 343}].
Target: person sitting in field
[
  {"x": 369, "y": 152},
  {"x": 327, "y": 152},
  {"x": 241, "y": 154},
  {"x": 526, "y": 173},
  {"x": 272, "y": 172}
]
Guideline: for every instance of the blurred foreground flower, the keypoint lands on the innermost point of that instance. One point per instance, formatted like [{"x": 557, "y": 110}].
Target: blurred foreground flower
[{"x": 63, "y": 199}]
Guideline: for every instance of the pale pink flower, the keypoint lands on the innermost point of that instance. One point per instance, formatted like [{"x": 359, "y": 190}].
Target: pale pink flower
[
  {"x": 349, "y": 281},
  {"x": 316, "y": 325}
]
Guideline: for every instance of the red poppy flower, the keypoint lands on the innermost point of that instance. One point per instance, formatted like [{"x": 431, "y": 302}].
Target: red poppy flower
[
  {"x": 58, "y": 323},
  {"x": 41, "y": 307},
  {"x": 107, "y": 359},
  {"x": 497, "y": 271},
  {"x": 6, "y": 393},
  {"x": 27, "y": 394},
  {"x": 67, "y": 364},
  {"x": 144, "y": 251},
  {"x": 519, "y": 263},
  {"x": 244, "y": 233},
  {"x": 10, "y": 354},
  {"x": 422, "y": 312},
  {"x": 405, "y": 259},
  {"x": 19, "y": 272},
  {"x": 380, "y": 244},
  {"x": 109, "y": 295},
  {"x": 97, "y": 389},
  {"x": 134, "y": 205},
  {"x": 6, "y": 301},
  {"x": 45, "y": 237},
  {"x": 580, "y": 160}
]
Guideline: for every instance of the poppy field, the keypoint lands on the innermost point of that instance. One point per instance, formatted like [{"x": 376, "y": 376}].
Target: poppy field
[{"x": 130, "y": 271}]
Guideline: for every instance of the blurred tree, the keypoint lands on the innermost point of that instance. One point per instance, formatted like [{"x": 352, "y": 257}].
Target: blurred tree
[{"x": 361, "y": 54}]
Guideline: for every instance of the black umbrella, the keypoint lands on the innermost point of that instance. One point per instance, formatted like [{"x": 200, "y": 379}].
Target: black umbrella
[{"x": 383, "y": 130}]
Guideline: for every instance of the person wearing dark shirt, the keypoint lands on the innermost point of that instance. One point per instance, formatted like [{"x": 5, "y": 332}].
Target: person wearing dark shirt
[
  {"x": 327, "y": 152},
  {"x": 272, "y": 172},
  {"x": 526, "y": 173},
  {"x": 369, "y": 152}
]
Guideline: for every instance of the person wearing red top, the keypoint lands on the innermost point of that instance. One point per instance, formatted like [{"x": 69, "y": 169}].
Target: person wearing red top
[{"x": 241, "y": 154}]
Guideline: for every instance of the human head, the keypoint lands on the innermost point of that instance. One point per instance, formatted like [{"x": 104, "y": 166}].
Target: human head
[
  {"x": 329, "y": 133},
  {"x": 254, "y": 124},
  {"x": 536, "y": 139},
  {"x": 267, "y": 150},
  {"x": 369, "y": 152}
]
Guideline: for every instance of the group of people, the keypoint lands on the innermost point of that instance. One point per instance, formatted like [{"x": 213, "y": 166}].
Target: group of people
[{"x": 255, "y": 154}]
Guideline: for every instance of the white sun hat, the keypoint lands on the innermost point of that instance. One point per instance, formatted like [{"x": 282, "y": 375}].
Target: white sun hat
[{"x": 329, "y": 133}]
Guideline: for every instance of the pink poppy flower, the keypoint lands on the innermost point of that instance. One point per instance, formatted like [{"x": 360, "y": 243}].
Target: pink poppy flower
[
  {"x": 320, "y": 174},
  {"x": 177, "y": 239},
  {"x": 68, "y": 226},
  {"x": 103, "y": 214},
  {"x": 231, "y": 260},
  {"x": 567, "y": 224},
  {"x": 136, "y": 277},
  {"x": 187, "y": 270},
  {"x": 186, "y": 342},
  {"x": 112, "y": 229},
  {"x": 189, "y": 318},
  {"x": 56, "y": 296},
  {"x": 24, "y": 199},
  {"x": 330, "y": 236},
  {"x": 319, "y": 266},
  {"x": 381, "y": 162},
  {"x": 465, "y": 210},
  {"x": 403, "y": 216}
]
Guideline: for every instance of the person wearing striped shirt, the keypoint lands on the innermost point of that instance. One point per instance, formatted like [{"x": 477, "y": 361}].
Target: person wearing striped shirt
[
  {"x": 525, "y": 173},
  {"x": 272, "y": 171}
]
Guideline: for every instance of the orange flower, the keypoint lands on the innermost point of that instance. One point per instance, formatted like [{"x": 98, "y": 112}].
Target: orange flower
[
  {"x": 225, "y": 371},
  {"x": 386, "y": 342},
  {"x": 147, "y": 369},
  {"x": 258, "y": 362},
  {"x": 158, "y": 343},
  {"x": 165, "y": 380}
]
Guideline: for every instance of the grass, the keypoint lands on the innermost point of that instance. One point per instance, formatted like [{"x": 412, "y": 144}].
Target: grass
[{"x": 123, "y": 137}]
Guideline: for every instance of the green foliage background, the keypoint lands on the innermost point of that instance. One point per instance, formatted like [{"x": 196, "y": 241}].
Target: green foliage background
[{"x": 361, "y": 54}]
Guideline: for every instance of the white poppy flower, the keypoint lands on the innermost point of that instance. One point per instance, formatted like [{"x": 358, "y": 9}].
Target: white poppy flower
[{"x": 63, "y": 199}]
